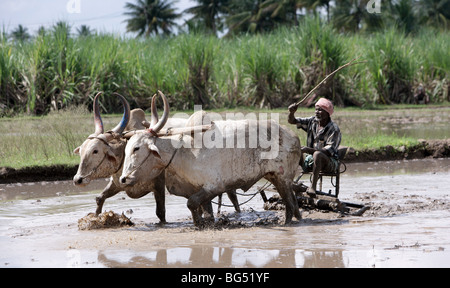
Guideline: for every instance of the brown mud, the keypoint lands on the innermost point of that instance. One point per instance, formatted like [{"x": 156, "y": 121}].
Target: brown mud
[
  {"x": 406, "y": 226},
  {"x": 103, "y": 221},
  {"x": 425, "y": 149}
]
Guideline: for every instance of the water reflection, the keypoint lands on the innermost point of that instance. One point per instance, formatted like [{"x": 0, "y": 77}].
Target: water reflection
[{"x": 222, "y": 257}]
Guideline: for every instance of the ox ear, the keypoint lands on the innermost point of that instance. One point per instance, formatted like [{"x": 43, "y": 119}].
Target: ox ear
[
  {"x": 77, "y": 150},
  {"x": 146, "y": 124},
  {"x": 154, "y": 150},
  {"x": 111, "y": 156}
]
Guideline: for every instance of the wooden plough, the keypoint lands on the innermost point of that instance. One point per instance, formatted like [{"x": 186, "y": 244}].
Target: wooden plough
[{"x": 321, "y": 201}]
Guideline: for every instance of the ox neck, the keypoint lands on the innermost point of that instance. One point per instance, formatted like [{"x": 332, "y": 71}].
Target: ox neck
[
  {"x": 119, "y": 154},
  {"x": 168, "y": 148}
]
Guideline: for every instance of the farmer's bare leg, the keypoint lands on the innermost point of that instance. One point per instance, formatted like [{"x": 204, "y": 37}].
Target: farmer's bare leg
[{"x": 321, "y": 160}]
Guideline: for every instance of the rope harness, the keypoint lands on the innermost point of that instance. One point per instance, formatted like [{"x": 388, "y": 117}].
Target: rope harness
[
  {"x": 103, "y": 159},
  {"x": 94, "y": 170},
  {"x": 260, "y": 190},
  {"x": 146, "y": 158}
]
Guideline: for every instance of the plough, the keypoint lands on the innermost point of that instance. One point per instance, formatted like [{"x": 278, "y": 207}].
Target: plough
[{"x": 321, "y": 200}]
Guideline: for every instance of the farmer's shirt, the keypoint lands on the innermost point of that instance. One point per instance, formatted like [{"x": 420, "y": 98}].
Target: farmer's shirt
[{"x": 327, "y": 138}]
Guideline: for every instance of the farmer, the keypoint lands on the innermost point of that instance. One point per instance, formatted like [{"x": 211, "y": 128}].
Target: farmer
[{"x": 323, "y": 139}]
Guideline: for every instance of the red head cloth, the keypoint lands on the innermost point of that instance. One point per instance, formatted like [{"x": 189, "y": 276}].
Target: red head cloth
[{"x": 326, "y": 105}]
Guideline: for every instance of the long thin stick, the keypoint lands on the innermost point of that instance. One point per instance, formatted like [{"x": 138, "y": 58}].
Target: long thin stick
[{"x": 328, "y": 76}]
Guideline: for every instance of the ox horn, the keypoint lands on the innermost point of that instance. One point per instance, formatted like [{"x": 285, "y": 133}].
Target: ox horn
[
  {"x": 154, "y": 111},
  {"x": 126, "y": 115},
  {"x": 97, "y": 118},
  {"x": 155, "y": 128}
]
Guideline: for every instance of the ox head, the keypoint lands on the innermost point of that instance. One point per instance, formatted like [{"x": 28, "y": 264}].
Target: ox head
[
  {"x": 142, "y": 156},
  {"x": 102, "y": 153}
]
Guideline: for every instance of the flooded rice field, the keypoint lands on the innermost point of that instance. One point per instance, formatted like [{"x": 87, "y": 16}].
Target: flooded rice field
[{"x": 407, "y": 226}]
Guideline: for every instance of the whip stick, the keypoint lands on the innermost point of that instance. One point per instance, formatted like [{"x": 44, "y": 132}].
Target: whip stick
[{"x": 328, "y": 76}]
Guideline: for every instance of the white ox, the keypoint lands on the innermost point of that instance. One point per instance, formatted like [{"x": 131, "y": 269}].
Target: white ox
[
  {"x": 200, "y": 174},
  {"x": 102, "y": 156}
]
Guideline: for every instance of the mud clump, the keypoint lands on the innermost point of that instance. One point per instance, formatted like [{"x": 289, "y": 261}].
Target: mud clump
[
  {"x": 104, "y": 220},
  {"x": 246, "y": 219}
]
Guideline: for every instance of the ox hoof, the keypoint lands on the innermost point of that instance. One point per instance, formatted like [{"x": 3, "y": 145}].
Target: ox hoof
[
  {"x": 161, "y": 223},
  {"x": 205, "y": 223}
]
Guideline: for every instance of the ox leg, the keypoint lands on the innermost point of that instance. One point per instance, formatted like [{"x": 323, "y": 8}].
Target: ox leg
[
  {"x": 208, "y": 213},
  {"x": 233, "y": 198},
  {"x": 201, "y": 198},
  {"x": 160, "y": 198},
  {"x": 284, "y": 188},
  {"x": 110, "y": 190}
]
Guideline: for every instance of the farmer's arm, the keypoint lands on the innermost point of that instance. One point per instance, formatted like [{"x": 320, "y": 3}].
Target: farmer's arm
[
  {"x": 302, "y": 123},
  {"x": 332, "y": 144},
  {"x": 308, "y": 150},
  {"x": 291, "y": 118}
]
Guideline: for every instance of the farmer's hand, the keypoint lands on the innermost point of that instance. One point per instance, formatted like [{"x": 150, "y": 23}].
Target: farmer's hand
[
  {"x": 307, "y": 150},
  {"x": 291, "y": 118},
  {"x": 293, "y": 107}
]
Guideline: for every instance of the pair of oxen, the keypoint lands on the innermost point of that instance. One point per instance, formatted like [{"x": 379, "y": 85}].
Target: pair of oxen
[{"x": 142, "y": 157}]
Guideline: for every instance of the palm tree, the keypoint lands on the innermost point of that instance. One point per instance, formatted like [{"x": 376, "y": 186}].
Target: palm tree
[
  {"x": 84, "y": 31},
  {"x": 352, "y": 15},
  {"x": 253, "y": 16},
  {"x": 20, "y": 34},
  {"x": 284, "y": 10},
  {"x": 312, "y": 5},
  {"x": 209, "y": 12},
  {"x": 149, "y": 17},
  {"x": 403, "y": 14},
  {"x": 434, "y": 12},
  {"x": 242, "y": 14}
]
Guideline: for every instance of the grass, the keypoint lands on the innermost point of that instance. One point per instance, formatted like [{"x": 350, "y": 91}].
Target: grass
[
  {"x": 43, "y": 141},
  {"x": 54, "y": 71},
  {"x": 48, "y": 140}
]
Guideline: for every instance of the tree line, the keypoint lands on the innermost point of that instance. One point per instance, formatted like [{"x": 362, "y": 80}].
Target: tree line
[{"x": 231, "y": 17}]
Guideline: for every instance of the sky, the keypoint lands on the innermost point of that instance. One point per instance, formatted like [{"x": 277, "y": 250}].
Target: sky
[{"x": 101, "y": 15}]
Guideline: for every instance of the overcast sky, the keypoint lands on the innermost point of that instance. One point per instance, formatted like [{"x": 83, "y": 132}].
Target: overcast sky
[{"x": 101, "y": 15}]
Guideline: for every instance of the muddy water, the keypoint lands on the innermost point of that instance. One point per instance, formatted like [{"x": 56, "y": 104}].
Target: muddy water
[{"x": 407, "y": 226}]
